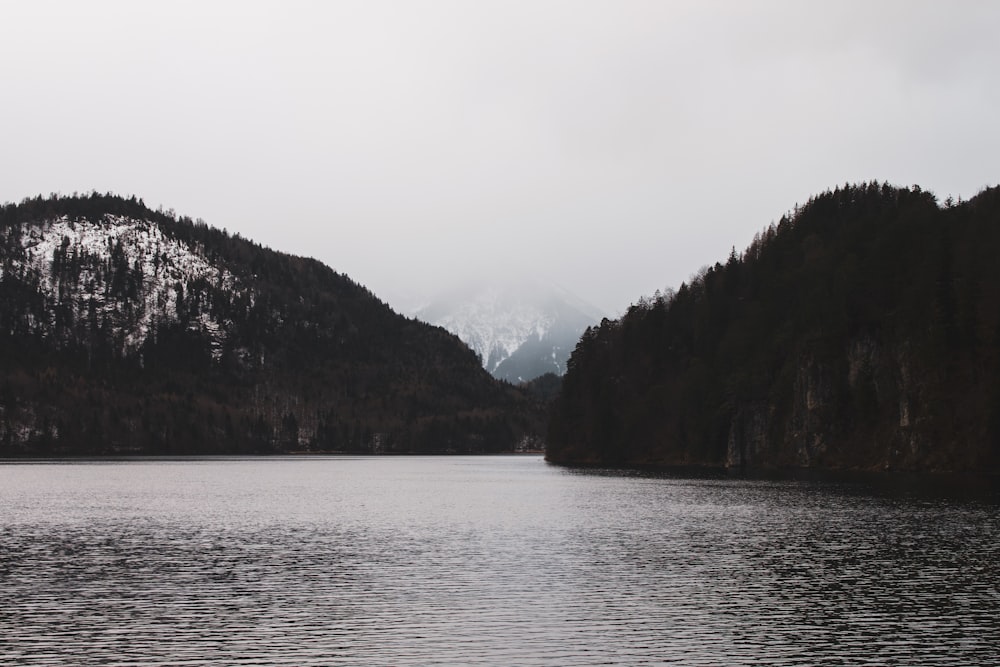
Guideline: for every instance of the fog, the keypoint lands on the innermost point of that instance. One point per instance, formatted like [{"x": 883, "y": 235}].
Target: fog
[{"x": 612, "y": 148}]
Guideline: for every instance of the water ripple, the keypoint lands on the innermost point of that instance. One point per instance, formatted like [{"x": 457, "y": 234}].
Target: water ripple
[{"x": 484, "y": 561}]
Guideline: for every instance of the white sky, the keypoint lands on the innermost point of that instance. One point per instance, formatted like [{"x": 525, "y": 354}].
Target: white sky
[{"x": 611, "y": 147}]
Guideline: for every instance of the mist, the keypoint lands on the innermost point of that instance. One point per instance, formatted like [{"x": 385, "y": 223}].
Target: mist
[{"x": 610, "y": 148}]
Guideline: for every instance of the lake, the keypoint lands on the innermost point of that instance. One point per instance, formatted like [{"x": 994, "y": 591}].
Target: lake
[{"x": 485, "y": 561}]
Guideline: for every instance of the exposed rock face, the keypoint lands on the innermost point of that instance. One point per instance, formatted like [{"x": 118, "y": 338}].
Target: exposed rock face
[
  {"x": 866, "y": 400},
  {"x": 747, "y": 435}
]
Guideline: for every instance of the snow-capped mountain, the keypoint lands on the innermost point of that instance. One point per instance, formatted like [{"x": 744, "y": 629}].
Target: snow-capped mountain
[{"x": 519, "y": 330}]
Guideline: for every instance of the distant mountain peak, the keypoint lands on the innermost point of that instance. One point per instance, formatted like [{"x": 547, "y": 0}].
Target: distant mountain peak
[{"x": 520, "y": 328}]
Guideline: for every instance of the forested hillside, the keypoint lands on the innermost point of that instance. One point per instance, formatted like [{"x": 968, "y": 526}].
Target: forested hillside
[
  {"x": 861, "y": 331},
  {"x": 127, "y": 330}
]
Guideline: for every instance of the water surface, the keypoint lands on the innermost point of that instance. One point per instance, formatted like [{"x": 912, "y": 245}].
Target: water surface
[{"x": 483, "y": 560}]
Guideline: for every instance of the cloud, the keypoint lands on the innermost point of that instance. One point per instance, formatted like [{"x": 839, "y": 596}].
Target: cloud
[{"x": 614, "y": 147}]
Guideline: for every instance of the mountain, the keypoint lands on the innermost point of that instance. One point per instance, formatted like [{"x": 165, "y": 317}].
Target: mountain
[
  {"x": 520, "y": 330},
  {"x": 127, "y": 330},
  {"x": 860, "y": 332}
]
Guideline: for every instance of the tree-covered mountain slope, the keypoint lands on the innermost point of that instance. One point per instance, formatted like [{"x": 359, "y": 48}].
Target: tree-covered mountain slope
[
  {"x": 861, "y": 332},
  {"x": 126, "y": 330}
]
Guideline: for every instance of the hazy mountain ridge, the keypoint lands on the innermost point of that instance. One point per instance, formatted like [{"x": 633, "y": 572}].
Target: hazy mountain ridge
[
  {"x": 520, "y": 330},
  {"x": 129, "y": 330},
  {"x": 863, "y": 332}
]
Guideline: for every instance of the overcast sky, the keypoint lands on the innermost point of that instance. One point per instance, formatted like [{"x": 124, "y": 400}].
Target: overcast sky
[{"x": 611, "y": 147}]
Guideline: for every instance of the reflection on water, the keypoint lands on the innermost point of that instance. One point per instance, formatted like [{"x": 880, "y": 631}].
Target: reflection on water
[{"x": 493, "y": 560}]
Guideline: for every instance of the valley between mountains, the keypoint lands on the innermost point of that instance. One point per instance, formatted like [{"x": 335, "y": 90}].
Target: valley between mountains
[{"x": 861, "y": 331}]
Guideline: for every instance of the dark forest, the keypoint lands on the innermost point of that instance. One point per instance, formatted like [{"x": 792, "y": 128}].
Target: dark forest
[
  {"x": 303, "y": 358},
  {"x": 861, "y": 331}
]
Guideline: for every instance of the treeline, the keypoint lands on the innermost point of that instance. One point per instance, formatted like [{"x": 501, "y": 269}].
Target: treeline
[
  {"x": 269, "y": 353},
  {"x": 860, "y": 331}
]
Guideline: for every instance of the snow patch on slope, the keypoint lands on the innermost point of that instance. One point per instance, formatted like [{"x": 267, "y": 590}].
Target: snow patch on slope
[
  {"x": 500, "y": 322},
  {"x": 164, "y": 268},
  {"x": 495, "y": 326}
]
